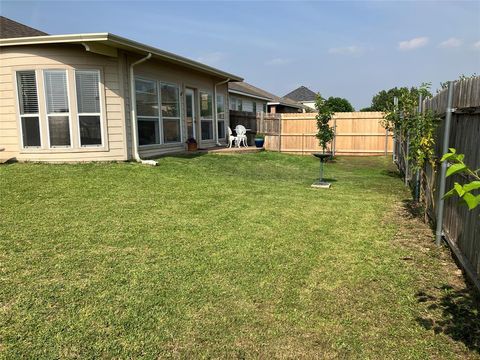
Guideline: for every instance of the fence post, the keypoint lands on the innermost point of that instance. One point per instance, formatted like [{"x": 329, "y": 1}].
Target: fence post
[
  {"x": 279, "y": 133},
  {"x": 334, "y": 147},
  {"x": 443, "y": 170},
  {"x": 407, "y": 153},
  {"x": 386, "y": 142},
  {"x": 303, "y": 139},
  {"x": 417, "y": 175},
  {"x": 394, "y": 137}
]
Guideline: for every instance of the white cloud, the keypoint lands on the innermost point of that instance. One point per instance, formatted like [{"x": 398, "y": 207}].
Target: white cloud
[
  {"x": 476, "y": 45},
  {"x": 212, "y": 58},
  {"x": 451, "y": 43},
  {"x": 346, "y": 50},
  {"x": 412, "y": 44},
  {"x": 278, "y": 61}
]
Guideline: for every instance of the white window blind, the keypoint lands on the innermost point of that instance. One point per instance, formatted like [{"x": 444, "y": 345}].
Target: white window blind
[
  {"x": 88, "y": 105},
  {"x": 56, "y": 91},
  {"x": 28, "y": 106},
  {"x": 88, "y": 95},
  {"x": 58, "y": 117},
  {"x": 27, "y": 92}
]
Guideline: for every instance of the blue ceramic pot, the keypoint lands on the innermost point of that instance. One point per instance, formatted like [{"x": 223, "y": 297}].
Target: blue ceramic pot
[{"x": 259, "y": 143}]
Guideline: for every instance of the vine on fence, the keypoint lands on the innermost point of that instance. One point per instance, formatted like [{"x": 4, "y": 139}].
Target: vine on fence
[
  {"x": 464, "y": 192},
  {"x": 325, "y": 132},
  {"x": 419, "y": 126}
]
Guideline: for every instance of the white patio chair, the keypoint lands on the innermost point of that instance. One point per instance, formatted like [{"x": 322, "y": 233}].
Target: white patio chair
[
  {"x": 241, "y": 135},
  {"x": 231, "y": 138}
]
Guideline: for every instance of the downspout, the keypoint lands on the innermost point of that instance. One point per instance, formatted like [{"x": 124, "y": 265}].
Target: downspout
[
  {"x": 215, "y": 111},
  {"x": 133, "y": 115},
  {"x": 443, "y": 171}
]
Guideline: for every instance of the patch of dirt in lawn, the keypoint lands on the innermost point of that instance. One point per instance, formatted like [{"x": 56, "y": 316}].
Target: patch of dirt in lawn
[{"x": 448, "y": 304}]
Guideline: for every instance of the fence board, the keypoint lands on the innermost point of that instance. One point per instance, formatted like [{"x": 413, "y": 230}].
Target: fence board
[
  {"x": 461, "y": 226},
  {"x": 357, "y": 133}
]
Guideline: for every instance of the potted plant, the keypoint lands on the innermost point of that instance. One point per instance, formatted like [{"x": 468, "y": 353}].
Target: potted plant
[
  {"x": 192, "y": 144},
  {"x": 259, "y": 140}
]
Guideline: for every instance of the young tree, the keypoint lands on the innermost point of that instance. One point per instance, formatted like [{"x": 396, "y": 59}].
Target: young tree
[
  {"x": 325, "y": 131},
  {"x": 338, "y": 104}
]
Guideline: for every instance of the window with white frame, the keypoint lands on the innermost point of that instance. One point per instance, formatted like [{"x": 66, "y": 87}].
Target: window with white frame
[
  {"x": 148, "y": 116},
  {"x": 259, "y": 107},
  {"x": 221, "y": 116},
  {"x": 239, "y": 105},
  {"x": 170, "y": 113},
  {"x": 58, "y": 112},
  {"x": 232, "y": 103},
  {"x": 235, "y": 104},
  {"x": 88, "y": 106},
  {"x": 254, "y": 106},
  {"x": 206, "y": 115},
  {"x": 28, "y": 108}
]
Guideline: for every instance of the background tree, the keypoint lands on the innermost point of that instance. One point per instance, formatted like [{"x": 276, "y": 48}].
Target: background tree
[
  {"x": 338, "y": 104},
  {"x": 383, "y": 100},
  {"x": 325, "y": 131},
  {"x": 366, "y": 109}
]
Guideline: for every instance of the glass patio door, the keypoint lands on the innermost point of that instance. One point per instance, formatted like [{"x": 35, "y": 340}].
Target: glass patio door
[{"x": 190, "y": 112}]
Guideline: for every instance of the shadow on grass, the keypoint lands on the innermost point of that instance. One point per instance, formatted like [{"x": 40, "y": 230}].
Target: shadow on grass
[
  {"x": 460, "y": 315},
  {"x": 327, "y": 180},
  {"x": 413, "y": 208},
  {"x": 391, "y": 173},
  {"x": 186, "y": 155}
]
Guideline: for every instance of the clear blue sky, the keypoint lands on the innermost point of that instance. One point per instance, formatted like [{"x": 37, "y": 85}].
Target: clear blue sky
[{"x": 347, "y": 49}]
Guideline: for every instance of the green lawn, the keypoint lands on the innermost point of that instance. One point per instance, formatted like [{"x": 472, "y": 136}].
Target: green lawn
[{"x": 220, "y": 256}]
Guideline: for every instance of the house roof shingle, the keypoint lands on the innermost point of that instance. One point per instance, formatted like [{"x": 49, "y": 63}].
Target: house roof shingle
[
  {"x": 248, "y": 89},
  {"x": 12, "y": 29},
  {"x": 302, "y": 94}
]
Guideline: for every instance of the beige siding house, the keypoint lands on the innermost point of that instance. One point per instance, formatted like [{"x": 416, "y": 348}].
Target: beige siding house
[
  {"x": 68, "y": 98},
  {"x": 304, "y": 96},
  {"x": 246, "y": 97},
  {"x": 249, "y": 98}
]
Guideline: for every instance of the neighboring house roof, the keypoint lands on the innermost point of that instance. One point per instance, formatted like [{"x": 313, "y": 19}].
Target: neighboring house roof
[
  {"x": 12, "y": 29},
  {"x": 246, "y": 89},
  {"x": 108, "y": 44},
  {"x": 302, "y": 94}
]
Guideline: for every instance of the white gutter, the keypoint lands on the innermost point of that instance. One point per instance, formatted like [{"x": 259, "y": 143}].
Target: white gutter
[
  {"x": 215, "y": 107},
  {"x": 133, "y": 115},
  {"x": 285, "y": 104}
]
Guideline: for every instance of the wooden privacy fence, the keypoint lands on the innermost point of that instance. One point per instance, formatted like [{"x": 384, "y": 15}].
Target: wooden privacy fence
[
  {"x": 356, "y": 133},
  {"x": 461, "y": 227}
]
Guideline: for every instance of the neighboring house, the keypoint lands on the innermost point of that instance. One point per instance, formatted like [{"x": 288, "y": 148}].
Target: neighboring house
[
  {"x": 303, "y": 95},
  {"x": 246, "y": 97},
  {"x": 11, "y": 29},
  {"x": 67, "y": 98}
]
